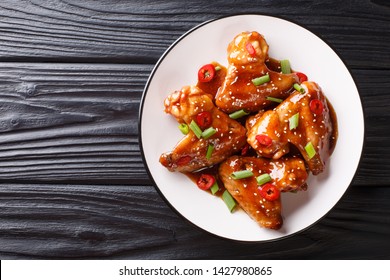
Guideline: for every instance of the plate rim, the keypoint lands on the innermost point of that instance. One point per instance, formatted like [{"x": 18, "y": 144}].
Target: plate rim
[{"x": 141, "y": 108}]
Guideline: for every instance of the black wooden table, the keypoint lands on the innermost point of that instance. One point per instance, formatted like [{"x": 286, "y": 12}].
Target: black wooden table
[{"x": 72, "y": 181}]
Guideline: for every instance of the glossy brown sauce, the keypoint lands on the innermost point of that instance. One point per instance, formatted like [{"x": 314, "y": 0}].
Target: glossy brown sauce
[
  {"x": 335, "y": 131},
  {"x": 273, "y": 64}
]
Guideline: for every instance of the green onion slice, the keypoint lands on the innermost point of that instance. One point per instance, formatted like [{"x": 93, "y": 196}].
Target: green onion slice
[
  {"x": 261, "y": 80},
  {"x": 229, "y": 200},
  {"x": 311, "y": 152},
  {"x": 294, "y": 121},
  {"x": 274, "y": 99},
  {"x": 242, "y": 174},
  {"x": 238, "y": 114},
  {"x": 299, "y": 88},
  {"x": 208, "y": 132},
  {"x": 184, "y": 128},
  {"x": 196, "y": 129},
  {"x": 263, "y": 178},
  {"x": 214, "y": 188},
  {"x": 217, "y": 68},
  {"x": 210, "y": 150},
  {"x": 285, "y": 66}
]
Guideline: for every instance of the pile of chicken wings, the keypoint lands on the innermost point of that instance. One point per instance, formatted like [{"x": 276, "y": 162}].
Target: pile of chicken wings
[{"x": 253, "y": 129}]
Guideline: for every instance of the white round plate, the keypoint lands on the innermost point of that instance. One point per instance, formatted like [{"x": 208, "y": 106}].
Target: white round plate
[{"x": 307, "y": 53}]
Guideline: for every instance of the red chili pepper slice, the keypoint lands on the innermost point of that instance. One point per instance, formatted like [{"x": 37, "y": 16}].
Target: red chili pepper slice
[
  {"x": 264, "y": 140},
  {"x": 251, "y": 50},
  {"x": 206, "y": 73},
  {"x": 183, "y": 160},
  {"x": 316, "y": 106},
  {"x": 302, "y": 77},
  {"x": 206, "y": 181},
  {"x": 269, "y": 192},
  {"x": 245, "y": 150},
  {"x": 204, "y": 119}
]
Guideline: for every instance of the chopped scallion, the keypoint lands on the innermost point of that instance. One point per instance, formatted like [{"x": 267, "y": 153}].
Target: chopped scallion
[
  {"x": 311, "y": 152},
  {"x": 261, "y": 80},
  {"x": 196, "y": 129},
  {"x": 285, "y": 66},
  {"x": 184, "y": 128},
  {"x": 208, "y": 132},
  {"x": 274, "y": 99},
  {"x": 299, "y": 88},
  {"x": 229, "y": 200},
  {"x": 238, "y": 114},
  {"x": 242, "y": 174},
  {"x": 294, "y": 121},
  {"x": 210, "y": 150},
  {"x": 214, "y": 188},
  {"x": 217, "y": 68},
  {"x": 263, "y": 178}
]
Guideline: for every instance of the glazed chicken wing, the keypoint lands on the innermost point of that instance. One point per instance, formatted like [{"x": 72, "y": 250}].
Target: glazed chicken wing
[
  {"x": 304, "y": 120},
  {"x": 212, "y": 87},
  {"x": 286, "y": 174},
  {"x": 192, "y": 105},
  {"x": 247, "y": 54}
]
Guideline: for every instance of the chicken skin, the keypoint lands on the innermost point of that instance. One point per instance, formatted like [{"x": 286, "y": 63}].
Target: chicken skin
[
  {"x": 286, "y": 174},
  {"x": 213, "y": 86},
  {"x": 247, "y": 55},
  {"x": 191, "y": 105},
  {"x": 304, "y": 120}
]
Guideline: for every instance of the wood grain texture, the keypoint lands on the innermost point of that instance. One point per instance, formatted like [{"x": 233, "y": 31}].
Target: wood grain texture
[
  {"x": 72, "y": 181},
  {"x": 80, "y": 221},
  {"x": 139, "y": 31},
  {"x": 71, "y": 122}
]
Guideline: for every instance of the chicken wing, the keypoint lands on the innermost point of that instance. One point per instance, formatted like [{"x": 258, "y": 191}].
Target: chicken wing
[
  {"x": 287, "y": 174},
  {"x": 247, "y": 54},
  {"x": 195, "y": 152},
  {"x": 304, "y": 120},
  {"x": 213, "y": 86}
]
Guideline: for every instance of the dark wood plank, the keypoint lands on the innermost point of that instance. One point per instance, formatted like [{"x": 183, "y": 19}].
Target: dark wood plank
[
  {"x": 140, "y": 31},
  {"x": 375, "y": 164},
  {"x": 71, "y": 122},
  {"x": 55, "y": 221}
]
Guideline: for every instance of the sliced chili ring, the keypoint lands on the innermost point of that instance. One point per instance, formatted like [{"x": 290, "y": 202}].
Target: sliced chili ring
[
  {"x": 204, "y": 119},
  {"x": 264, "y": 140},
  {"x": 245, "y": 150},
  {"x": 269, "y": 192},
  {"x": 206, "y": 181},
  {"x": 206, "y": 73},
  {"x": 250, "y": 49},
  {"x": 302, "y": 77},
  {"x": 316, "y": 106}
]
